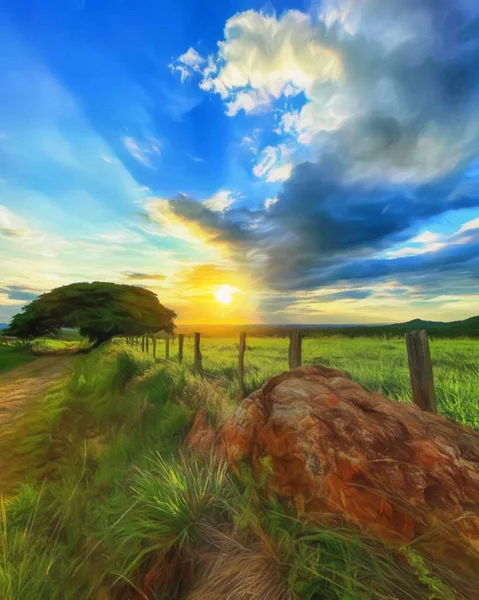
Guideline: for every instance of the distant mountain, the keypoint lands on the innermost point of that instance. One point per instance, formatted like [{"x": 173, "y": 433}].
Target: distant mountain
[
  {"x": 467, "y": 328},
  {"x": 3, "y": 326}
]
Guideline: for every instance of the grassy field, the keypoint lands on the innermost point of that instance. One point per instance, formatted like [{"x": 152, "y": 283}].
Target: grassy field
[
  {"x": 13, "y": 356},
  {"x": 380, "y": 365},
  {"x": 115, "y": 508}
]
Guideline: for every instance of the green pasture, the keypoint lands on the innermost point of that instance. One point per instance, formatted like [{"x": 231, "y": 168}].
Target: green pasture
[
  {"x": 112, "y": 498},
  {"x": 380, "y": 365}
]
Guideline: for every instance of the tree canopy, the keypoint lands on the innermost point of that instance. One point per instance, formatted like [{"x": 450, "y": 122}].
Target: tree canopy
[{"x": 98, "y": 310}]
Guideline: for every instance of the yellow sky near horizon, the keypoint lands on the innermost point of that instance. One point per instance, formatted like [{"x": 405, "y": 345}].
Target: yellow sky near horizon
[{"x": 34, "y": 262}]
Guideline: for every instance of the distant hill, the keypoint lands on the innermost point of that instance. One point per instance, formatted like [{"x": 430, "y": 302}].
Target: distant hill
[
  {"x": 467, "y": 328},
  {"x": 3, "y": 326}
]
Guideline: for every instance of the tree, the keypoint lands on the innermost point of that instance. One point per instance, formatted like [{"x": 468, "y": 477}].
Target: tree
[{"x": 98, "y": 310}]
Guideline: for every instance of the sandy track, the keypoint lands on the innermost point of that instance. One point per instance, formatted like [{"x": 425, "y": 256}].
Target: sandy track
[
  {"x": 23, "y": 384},
  {"x": 20, "y": 389}
]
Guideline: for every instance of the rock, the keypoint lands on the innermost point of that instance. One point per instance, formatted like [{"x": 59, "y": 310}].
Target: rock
[
  {"x": 387, "y": 466},
  {"x": 203, "y": 439}
]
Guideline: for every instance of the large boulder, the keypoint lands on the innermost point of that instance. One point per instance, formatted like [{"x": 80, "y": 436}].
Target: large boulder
[{"x": 336, "y": 448}]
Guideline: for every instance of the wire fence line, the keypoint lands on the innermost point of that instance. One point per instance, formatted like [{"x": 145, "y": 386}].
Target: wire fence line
[{"x": 417, "y": 344}]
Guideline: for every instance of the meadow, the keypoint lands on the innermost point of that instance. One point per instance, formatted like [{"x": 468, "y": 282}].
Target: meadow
[
  {"x": 11, "y": 357},
  {"x": 378, "y": 364},
  {"x": 106, "y": 502}
]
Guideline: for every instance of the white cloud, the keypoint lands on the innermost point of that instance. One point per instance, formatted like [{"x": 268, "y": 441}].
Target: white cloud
[
  {"x": 187, "y": 63},
  {"x": 192, "y": 59},
  {"x": 182, "y": 70},
  {"x": 274, "y": 164},
  {"x": 196, "y": 158},
  {"x": 470, "y": 225},
  {"x": 269, "y": 202},
  {"x": 430, "y": 241},
  {"x": 280, "y": 173},
  {"x": 427, "y": 237},
  {"x": 268, "y": 159},
  {"x": 412, "y": 251},
  {"x": 220, "y": 201},
  {"x": 250, "y": 143},
  {"x": 365, "y": 69},
  {"x": 263, "y": 58}
]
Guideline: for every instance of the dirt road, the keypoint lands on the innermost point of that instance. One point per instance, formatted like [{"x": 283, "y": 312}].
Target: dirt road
[
  {"x": 21, "y": 385},
  {"x": 20, "y": 389}
]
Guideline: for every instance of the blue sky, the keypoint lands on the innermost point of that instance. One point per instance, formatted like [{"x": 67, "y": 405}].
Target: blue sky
[{"x": 320, "y": 158}]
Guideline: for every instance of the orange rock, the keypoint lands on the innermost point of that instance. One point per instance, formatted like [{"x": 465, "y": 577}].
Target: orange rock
[
  {"x": 204, "y": 440},
  {"x": 201, "y": 436},
  {"x": 336, "y": 448}
]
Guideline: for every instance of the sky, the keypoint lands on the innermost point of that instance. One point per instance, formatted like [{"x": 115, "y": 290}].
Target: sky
[{"x": 250, "y": 162}]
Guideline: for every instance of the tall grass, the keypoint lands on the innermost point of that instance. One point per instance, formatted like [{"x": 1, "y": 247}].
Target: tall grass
[
  {"x": 116, "y": 507},
  {"x": 380, "y": 365},
  {"x": 13, "y": 356}
]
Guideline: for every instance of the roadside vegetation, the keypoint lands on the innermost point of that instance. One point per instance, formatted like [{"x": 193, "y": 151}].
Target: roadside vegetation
[
  {"x": 116, "y": 507},
  {"x": 14, "y": 356}
]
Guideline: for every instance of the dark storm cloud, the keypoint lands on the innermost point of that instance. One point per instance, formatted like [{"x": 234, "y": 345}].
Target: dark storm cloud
[
  {"x": 455, "y": 258},
  {"x": 19, "y": 292},
  {"x": 396, "y": 139},
  {"x": 323, "y": 230},
  {"x": 233, "y": 228},
  {"x": 408, "y": 98}
]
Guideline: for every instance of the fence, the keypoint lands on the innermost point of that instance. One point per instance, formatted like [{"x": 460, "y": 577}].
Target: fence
[
  {"x": 417, "y": 344},
  {"x": 8, "y": 340}
]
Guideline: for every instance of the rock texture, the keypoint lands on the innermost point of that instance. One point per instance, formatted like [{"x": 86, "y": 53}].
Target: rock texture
[
  {"x": 201, "y": 437},
  {"x": 387, "y": 466}
]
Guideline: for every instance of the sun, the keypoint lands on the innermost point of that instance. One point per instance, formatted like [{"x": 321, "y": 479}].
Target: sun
[{"x": 224, "y": 294}]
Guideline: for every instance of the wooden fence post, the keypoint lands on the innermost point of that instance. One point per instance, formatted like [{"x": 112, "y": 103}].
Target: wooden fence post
[
  {"x": 181, "y": 339},
  {"x": 142, "y": 343},
  {"x": 294, "y": 354},
  {"x": 198, "y": 358},
  {"x": 420, "y": 370},
  {"x": 153, "y": 342},
  {"x": 242, "y": 350},
  {"x": 147, "y": 344},
  {"x": 167, "y": 347}
]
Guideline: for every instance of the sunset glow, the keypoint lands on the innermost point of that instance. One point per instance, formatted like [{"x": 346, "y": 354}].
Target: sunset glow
[
  {"x": 224, "y": 294},
  {"x": 275, "y": 164}
]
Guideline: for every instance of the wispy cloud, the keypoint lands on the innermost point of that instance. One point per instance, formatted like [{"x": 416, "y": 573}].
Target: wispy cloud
[
  {"x": 136, "y": 276},
  {"x": 189, "y": 62},
  {"x": 274, "y": 164},
  {"x": 269, "y": 202},
  {"x": 143, "y": 151}
]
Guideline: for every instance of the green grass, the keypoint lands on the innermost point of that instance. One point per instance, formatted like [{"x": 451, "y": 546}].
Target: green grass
[
  {"x": 112, "y": 504},
  {"x": 53, "y": 346},
  {"x": 13, "y": 356},
  {"x": 380, "y": 365}
]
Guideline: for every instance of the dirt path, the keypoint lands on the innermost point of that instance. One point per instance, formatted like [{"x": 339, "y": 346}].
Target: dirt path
[
  {"x": 21, "y": 385},
  {"x": 20, "y": 390}
]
